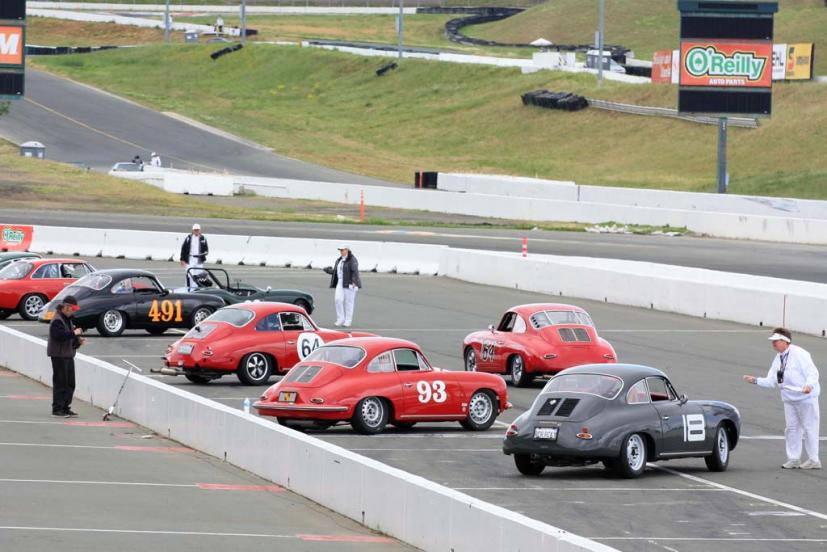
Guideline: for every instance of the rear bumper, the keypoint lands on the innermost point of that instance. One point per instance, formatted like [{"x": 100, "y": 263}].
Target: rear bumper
[{"x": 302, "y": 412}]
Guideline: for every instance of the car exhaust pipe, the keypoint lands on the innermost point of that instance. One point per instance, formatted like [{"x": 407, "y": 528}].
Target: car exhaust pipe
[{"x": 166, "y": 371}]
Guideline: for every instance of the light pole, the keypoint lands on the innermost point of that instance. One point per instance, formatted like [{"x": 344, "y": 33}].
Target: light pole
[
  {"x": 400, "y": 25},
  {"x": 166, "y": 22},
  {"x": 600, "y": 30}
]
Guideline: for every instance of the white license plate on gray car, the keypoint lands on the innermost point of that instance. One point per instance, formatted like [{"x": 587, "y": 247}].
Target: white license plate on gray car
[{"x": 546, "y": 433}]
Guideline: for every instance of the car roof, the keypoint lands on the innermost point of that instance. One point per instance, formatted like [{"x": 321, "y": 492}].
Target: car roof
[
  {"x": 629, "y": 373},
  {"x": 39, "y": 262},
  {"x": 376, "y": 344},
  {"x": 531, "y": 308},
  {"x": 18, "y": 255},
  {"x": 263, "y": 308},
  {"x": 116, "y": 273}
]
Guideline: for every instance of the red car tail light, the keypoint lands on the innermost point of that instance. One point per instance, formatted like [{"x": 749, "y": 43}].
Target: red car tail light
[
  {"x": 169, "y": 349},
  {"x": 550, "y": 356},
  {"x": 317, "y": 400},
  {"x": 512, "y": 430},
  {"x": 584, "y": 434},
  {"x": 208, "y": 352}
]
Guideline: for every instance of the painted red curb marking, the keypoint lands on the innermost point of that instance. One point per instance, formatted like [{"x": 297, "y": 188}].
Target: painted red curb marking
[
  {"x": 152, "y": 449},
  {"x": 9, "y": 375},
  {"x": 100, "y": 424},
  {"x": 26, "y": 397},
  {"x": 224, "y": 487},
  {"x": 344, "y": 538}
]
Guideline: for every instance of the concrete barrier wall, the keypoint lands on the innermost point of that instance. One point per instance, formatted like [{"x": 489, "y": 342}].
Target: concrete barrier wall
[
  {"x": 346, "y": 482},
  {"x": 189, "y": 8}
]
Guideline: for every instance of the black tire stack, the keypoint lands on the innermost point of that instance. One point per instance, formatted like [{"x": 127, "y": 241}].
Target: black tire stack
[{"x": 555, "y": 100}]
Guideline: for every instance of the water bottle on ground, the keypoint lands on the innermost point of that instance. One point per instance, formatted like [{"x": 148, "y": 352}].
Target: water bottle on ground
[{"x": 246, "y": 405}]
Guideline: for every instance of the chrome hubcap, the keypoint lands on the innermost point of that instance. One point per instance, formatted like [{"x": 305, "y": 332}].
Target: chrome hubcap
[
  {"x": 635, "y": 452},
  {"x": 201, "y": 315},
  {"x": 516, "y": 369},
  {"x": 33, "y": 305},
  {"x": 112, "y": 320},
  {"x": 723, "y": 445},
  {"x": 471, "y": 361},
  {"x": 257, "y": 366},
  {"x": 480, "y": 408},
  {"x": 372, "y": 412}
]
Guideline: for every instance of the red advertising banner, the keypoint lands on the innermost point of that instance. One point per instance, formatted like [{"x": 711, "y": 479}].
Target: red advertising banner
[
  {"x": 12, "y": 45},
  {"x": 726, "y": 64},
  {"x": 662, "y": 67},
  {"x": 14, "y": 237}
]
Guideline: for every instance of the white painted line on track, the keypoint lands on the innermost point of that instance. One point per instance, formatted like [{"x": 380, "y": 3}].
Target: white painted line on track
[
  {"x": 147, "y": 532},
  {"x": 747, "y": 494},
  {"x": 495, "y": 435},
  {"x": 53, "y": 445},
  {"x": 704, "y": 539},
  {"x": 661, "y": 330},
  {"x": 123, "y": 483},
  {"x": 590, "y": 489},
  {"x": 159, "y": 357},
  {"x": 417, "y": 450},
  {"x": 770, "y": 437}
]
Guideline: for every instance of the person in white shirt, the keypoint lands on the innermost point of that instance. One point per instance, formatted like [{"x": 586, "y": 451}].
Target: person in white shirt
[
  {"x": 219, "y": 24},
  {"x": 155, "y": 160},
  {"x": 194, "y": 252},
  {"x": 793, "y": 371},
  {"x": 346, "y": 281}
]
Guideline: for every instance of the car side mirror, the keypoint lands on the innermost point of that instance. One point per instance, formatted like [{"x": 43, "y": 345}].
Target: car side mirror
[
  {"x": 164, "y": 293},
  {"x": 491, "y": 328},
  {"x": 684, "y": 398}
]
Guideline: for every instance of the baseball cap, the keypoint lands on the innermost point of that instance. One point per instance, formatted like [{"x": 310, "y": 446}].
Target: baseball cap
[
  {"x": 196, "y": 226},
  {"x": 344, "y": 246},
  {"x": 72, "y": 302}
]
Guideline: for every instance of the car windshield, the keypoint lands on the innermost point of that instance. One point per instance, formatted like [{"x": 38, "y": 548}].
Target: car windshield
[
  {"x": 338, "y": 354},
  {"x": 544, "y": 319},
  {"x": 15, "y": 271},
  {"x": 594, "y": 384},
  {"x": 236, "y": 317},
  {"x": 94, "y": 281}
]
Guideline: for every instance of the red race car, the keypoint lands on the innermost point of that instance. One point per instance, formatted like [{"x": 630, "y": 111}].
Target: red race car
[
  {"x": 26, "y": 285},
  {"x": 540, "y": 338},
  {"x": 251, "y": 340},
  {"x": 372, "y": 381}
]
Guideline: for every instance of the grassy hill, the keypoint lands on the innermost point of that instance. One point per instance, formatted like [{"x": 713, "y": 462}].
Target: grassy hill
[
  {"x": 330, "y": 108},
  {"x": 644, "y": 25}
]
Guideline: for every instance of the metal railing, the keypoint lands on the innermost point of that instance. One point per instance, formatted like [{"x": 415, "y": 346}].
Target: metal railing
[{"x": 743, "y": 122}]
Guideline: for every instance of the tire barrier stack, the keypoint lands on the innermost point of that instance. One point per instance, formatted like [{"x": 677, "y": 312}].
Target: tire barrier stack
[
  {"x": 225, "y": 51},
  {"x": 34, "y": 50},
  {"x": 555, "y": 100},
  {"x": 385, "y": 68}
]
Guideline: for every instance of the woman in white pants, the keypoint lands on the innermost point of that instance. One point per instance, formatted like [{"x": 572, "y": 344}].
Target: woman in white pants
[
  {"x": 793, "y": 371},
  {"x": 345, "y": 279}
]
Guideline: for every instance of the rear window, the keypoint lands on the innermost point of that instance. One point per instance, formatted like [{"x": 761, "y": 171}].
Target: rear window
[
  {"x": 94, "y": 281},
  {"x": 200, "y": 331},
  {"x": 337, "y": 354},
  {"x": 15, "y": 271},
  {"x": 236, "y": 317},
  {"x": 544, "y": 319},
  {"x": 601, "y": 385}
]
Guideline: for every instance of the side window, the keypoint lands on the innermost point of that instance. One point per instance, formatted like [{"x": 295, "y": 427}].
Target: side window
[
  {"x": 423, "y": 364},
  {"x": 382, "y": 363},
  {"x": 74, "y": 270},
  {"x": 519, "y": 324},
  {"x": 269, "y": 323},
  {"x": 308, "y": 327},
  {"x": 46, "y": 271},
  {"x": 143, "y": 284},
  {"x": 292, "y": 321},
  {"x": 638, "y": 394},
  {"x": 507, "y": 323},
  {"x": 659, "y": 390},
  {"x": 406, "y": 360},
  {"x": 124, "y": 286}
]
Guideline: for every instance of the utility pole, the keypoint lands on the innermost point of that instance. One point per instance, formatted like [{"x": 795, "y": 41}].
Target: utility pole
[
  {"x": 722, "y": 172},
  {"x": 400, "y": 26},
  {"x": 166, "y": 22},
  {"x": 601, "y": 29},
  {"x": 244, "y": 21}
]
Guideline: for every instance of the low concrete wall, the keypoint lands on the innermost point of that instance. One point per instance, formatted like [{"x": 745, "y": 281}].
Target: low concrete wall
[
  {"x": 229, "y": 8},
  {"x": 346, "y": 482}
]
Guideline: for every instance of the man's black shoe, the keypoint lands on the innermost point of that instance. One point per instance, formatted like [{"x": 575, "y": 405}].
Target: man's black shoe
[
  {"x": 70, "y": 413},
  {"x": 59, "y": 413}
]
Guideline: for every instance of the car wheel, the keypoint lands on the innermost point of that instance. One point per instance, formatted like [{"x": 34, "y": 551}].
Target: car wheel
[
  {"x": 156, "y": 331},
  {"x": 199, "y": 379},
  {"x": 255, "y": 369},
  {"x": 719, "y": 459},
  {"x": 200, "y": 314},
  {"x": 370, "y": 416},
  {"x": 31, "y": 305},
  {"x": 303, "y": 304},
  {"x": 111, "y": 323},
  {"x": 632, "y": 461},
  {"x": 5, "y": 314},
  {"x": 527, "y": 466},
  {"x": 470, "y": 360},
  {"x": 481, "y": 412},
  {"x": 519, "y": 376},
  {"x": 403, "y": 425}
]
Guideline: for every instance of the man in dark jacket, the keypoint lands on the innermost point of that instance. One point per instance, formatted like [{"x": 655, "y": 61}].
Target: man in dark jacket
[
  {"x": 64, "y": 340},
  {"x": 194, "y": 253},
  {"x": 345, "y": 279}
]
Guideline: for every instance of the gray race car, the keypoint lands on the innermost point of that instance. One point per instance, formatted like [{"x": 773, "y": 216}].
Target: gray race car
[{"x": 623, "y": 415}]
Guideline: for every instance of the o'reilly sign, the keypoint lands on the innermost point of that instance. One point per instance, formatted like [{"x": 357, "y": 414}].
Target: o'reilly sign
[{"x": 727, "y": 64}]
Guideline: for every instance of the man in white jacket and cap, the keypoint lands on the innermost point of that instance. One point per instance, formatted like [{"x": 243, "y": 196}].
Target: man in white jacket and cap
[{"x": 793, "y": 372}]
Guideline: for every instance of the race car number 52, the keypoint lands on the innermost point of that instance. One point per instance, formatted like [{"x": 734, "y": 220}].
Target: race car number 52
[
  {"x": 435, "y": 391},
  {"x": 166, "y": 311}
]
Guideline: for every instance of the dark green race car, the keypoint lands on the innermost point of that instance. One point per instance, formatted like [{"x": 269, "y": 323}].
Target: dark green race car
[
  {"x": 216, "y": 282},
  {"x": 7, "y": 257}
]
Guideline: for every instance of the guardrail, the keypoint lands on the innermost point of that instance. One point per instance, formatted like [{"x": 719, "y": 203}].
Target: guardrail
[
  {"x": 424, "y": 514},
  {"x": 744, "y": 122}
]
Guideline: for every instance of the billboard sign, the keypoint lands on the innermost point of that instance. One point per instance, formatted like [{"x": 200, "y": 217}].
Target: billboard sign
[
  {"x": 726, "y": 64},
  {"x": 779, "y": 62},
  {"x": 799, "y": 61},
  {"x": 12, "y": 46},
  {"x": 662, "y": 66},
  {"x": 14, "y": 237}
]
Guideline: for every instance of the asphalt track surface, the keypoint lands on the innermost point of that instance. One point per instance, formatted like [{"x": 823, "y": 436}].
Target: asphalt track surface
[
  {"x": 82, "y": 484},
  {"x": 81, "y": 124},
  {"x": 796, "y": 262},
  {"x": 675, "y": 506}
]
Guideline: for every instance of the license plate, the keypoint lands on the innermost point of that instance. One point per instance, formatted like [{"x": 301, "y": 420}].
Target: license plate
[
  {"x": 549, "y": 433},
  {"x": 287, "y": 396},
  {"x": 185, "y": 349},
  {"x": 49, "y": 315}
]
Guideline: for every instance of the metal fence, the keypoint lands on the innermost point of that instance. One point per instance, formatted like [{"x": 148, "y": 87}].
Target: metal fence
[{"x": 744, "y": 122}]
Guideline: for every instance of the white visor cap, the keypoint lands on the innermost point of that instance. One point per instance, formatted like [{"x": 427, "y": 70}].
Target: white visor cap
[{"x": 779, "y": 337}]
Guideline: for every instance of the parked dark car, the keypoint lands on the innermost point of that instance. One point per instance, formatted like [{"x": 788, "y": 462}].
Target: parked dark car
[
  {"x": 623, "y": 415},
  {"x": 115, "y": 300},
  {"x": 216, "y": 281},
  {"x": 7, "y": 257}
]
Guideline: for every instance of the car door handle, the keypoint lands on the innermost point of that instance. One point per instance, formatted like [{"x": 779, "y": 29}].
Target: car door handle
[
  {"x": 290, "y": 342},
  {"x": 407, "y": 385}
]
